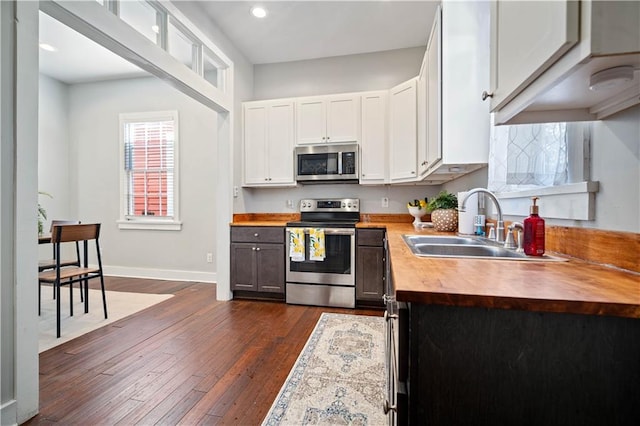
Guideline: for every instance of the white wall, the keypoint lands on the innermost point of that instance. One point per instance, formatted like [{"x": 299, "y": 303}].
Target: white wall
[
  {"x": 274, "y": 200},
  {"x": 615, "y": 163},
  {"x": 93, "y": 112},
  {"x": 339, "y": 74},
  {"x": 53, "y": 149}
]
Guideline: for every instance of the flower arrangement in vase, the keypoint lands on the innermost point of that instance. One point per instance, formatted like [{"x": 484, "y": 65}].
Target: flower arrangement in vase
[
  {"x": 444, "y": 211},
  {"x": 417, "y": 209}
]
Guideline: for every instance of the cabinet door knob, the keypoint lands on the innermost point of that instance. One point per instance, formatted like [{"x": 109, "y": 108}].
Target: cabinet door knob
[
  {"x": 253, "y": 249},
  {"x": 486, "y": 95},
  {"x": 255, "y": 235},
  {"x": 424, "y": 163},
  {"x": 257, "y": 248},
  {"x": 413, "y": 172}
]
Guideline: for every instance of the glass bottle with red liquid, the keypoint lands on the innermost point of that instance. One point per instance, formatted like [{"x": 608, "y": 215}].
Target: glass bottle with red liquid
[{"x": 533, "y": 231}]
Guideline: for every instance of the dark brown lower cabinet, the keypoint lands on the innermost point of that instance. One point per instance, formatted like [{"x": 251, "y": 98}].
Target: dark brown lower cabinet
[
  {"x": 479, "y": 366},
  {"x": 257, "y": 261},
  {"x": 370, "y": 266}
]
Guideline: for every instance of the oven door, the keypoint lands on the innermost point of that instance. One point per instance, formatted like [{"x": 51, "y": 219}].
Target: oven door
[{"x": 338, "y": 267}]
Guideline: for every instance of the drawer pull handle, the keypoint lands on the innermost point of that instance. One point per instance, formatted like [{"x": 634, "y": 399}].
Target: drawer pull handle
[
  {"x": 388, "y": 407},
  {"x": 388, "y": 316}
]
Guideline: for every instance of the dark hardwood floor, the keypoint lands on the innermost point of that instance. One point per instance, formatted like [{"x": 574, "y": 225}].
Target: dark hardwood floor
[{"x": 189, "y": 360}]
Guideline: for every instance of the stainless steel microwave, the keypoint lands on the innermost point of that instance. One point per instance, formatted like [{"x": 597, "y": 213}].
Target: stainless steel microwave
[{"x": 327, "y": 163}]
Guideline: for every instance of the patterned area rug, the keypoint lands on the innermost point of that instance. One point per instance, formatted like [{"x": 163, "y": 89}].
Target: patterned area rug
[{"x": 339, "y": 376}]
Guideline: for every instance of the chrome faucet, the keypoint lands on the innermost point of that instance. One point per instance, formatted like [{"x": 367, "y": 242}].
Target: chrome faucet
[
  {"x": 510, "y": 242},
  {"x": 500, "y": 227}
]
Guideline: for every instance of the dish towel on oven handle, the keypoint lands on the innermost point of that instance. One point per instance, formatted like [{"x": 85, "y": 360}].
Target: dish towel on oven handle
[
  {"x": 316, "y": 244},
  {"x": 296, "y": 244}
]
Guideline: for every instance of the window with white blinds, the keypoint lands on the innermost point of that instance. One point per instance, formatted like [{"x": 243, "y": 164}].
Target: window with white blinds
[{"x": 149, "y": 143}]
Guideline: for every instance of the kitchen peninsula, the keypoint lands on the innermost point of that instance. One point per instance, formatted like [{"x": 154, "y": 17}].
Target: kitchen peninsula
[{"x": 515, "y": 342}]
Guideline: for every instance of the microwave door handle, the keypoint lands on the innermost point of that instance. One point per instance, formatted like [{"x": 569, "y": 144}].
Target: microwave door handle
[{"x": 339, "y": 163}]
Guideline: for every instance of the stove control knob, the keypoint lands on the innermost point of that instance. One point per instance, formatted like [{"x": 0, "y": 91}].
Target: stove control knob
[{"x": 343, "y": 205}]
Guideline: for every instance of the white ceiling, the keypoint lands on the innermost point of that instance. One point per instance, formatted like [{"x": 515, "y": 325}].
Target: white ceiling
[
  {"x": 292, "y": 30},
  {"x": 77, "y": 58},
  {"x": 298, "y": 30}
]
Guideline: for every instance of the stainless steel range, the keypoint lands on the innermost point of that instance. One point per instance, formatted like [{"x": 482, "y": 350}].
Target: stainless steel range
[{"x": 321, "y": 253}]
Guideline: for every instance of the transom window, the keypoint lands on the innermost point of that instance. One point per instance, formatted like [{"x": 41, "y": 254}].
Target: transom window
[{"x": 149, "y": 169}]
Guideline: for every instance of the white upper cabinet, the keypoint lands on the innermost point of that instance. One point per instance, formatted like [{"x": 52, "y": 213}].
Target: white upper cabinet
[
  {"x": 532, "y": 35},
  {"x": 328, "y": 119},
  {"x": 374, "y": 164},
  {"x": 268, "y": 143},
  {"x": 433, "y": 61},
  {"x": 544, "y": 55},
  {"x": 403, "y": 131},
  {"x": 455, "y": 121},
  {"x": 430, "y": 102}
]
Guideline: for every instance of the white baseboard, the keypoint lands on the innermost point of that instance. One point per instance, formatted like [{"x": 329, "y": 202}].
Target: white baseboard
[
  {"x": 8, "y": 413},
  {"x": 161, "y": 274}
]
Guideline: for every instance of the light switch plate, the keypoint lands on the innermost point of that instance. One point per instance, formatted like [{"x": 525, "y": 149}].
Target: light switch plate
[{"x": 385, "y": 201}]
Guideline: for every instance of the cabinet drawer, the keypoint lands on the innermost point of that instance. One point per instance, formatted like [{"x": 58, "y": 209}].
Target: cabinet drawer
[
  {"x": 257, "y": 234},
  {"x": 370, "y": 237}
]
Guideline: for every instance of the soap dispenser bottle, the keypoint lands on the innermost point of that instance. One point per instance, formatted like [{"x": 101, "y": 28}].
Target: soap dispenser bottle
[{"x": 534, "y": 232}]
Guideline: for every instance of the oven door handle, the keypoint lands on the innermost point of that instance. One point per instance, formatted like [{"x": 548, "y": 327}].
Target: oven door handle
[{"x": 331, "y": 231}]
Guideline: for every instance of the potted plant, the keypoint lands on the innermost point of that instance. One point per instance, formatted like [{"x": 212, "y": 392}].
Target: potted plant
[
  {"x": 444, "y": 211},
  {"x": 42, "y": 213}
]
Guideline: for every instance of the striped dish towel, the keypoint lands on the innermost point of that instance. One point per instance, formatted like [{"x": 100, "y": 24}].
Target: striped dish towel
[
  {"x": 296, "y": 244},
  {"x": 316, "y": 244}
]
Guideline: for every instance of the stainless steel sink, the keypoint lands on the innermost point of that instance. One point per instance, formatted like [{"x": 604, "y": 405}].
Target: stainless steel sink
[
  {"x": 466, "y": 247},
  {"x": 425, "y": 239}
]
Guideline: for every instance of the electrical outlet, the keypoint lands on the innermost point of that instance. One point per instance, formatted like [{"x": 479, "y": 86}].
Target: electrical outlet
[
  {"x": 236, "y": 192},
  {"x": 385, "y": 201},
  {"x": 290, "y": 204},
  {"x": 209, "y": 257}
]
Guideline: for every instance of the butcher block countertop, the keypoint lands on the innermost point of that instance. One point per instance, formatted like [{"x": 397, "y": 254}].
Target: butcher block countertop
[{"x": 573, "y": 286}]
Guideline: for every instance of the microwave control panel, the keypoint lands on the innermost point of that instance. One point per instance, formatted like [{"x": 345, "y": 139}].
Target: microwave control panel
[{"x": 348, "y": 163}]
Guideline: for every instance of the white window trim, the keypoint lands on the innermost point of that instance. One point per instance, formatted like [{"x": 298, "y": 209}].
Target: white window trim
[
  {"x": 574, "y": 201},
  {"x": 147, "y": 222}
]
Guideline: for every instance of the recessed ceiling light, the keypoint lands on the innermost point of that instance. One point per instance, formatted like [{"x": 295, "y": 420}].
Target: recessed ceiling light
[
  {"x": 258, "y": 12},
  {"x": 48, "y": 47},
  {"x": 611, "y": 77}
]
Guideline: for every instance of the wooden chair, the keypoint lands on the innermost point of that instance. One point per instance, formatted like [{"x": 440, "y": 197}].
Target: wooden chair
[
  {"x": 62, "y": 275},
  {"x": 43, "y": 265}
]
